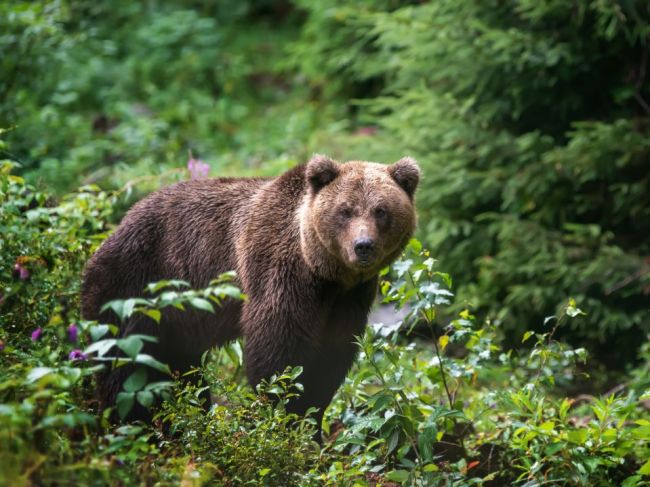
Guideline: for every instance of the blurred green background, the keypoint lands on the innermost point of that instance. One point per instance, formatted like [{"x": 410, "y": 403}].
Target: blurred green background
[{"x": 531, "y": 121}]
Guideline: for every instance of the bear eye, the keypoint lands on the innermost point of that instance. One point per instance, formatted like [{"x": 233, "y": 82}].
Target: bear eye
[
  {"x": 345, "y": 212},
  {"x": 380, "y": 213}
]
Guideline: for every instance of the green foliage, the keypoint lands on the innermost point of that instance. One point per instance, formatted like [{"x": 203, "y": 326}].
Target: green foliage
[
  {"x": 165, "y": 294},
  {"x": 459, "y": 409},
  {"x": 531, "y": 122},
  {"x": 244, "y": 439},
  {"x": 44, "y": 247},
  {"x": 453, "y": 407},
  {"x": 98, "y": 92}
]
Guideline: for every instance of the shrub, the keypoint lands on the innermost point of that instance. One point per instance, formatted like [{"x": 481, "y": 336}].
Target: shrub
[{"x": 460, "y": 409}]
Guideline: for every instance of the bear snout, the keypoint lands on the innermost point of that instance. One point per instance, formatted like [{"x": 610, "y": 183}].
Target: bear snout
[{"x": 364, "y": 248}]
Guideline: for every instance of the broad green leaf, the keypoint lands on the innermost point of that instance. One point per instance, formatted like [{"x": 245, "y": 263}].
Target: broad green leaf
[
  {"x": 124, "y": 403},
  {"x": 578, "y": 436},
  {"x": 154, "y": 314},
  {"x": 235, "y": 352},
  {"x": 415, "y": 245},
  {"x": 631, "y": 481},
  {"x": 38, "y": 373},
  {"x": 145, "y": 398},
  {"x": 131, "y": 345},
  {"x": 202, "y": 304},
  {"x": 400, "y": 476},
  {"x": 547, "y": 426},
  {"x": 101, "y": 347},
  {"x": 393, "y": 441},
  {"x": 98, "y": 331},
  {"x": 145, "y": 359},
  {"x": 645, "y": 468},
  {"x": 136, "y": 380}
]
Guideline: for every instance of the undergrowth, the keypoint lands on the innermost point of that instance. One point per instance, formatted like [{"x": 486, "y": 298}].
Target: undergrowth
[{"x": 433, "y": 399}]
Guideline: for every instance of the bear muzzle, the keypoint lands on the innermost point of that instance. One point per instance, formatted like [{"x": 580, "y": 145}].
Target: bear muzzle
[{"x": 364, "y": 249}]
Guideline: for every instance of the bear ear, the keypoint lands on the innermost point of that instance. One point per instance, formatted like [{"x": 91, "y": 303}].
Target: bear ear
[
  {"x": 321, "y": 170},
  {"x": 406, "y": 173}
]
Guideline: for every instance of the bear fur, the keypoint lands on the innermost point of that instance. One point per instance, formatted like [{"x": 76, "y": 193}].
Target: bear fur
[{"x": 307, "y": 247}]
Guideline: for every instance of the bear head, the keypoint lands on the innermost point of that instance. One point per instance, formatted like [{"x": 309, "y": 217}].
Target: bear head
[{"x": 357, "y": 216}]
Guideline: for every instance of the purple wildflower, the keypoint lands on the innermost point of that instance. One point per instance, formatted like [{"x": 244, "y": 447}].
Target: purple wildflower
[
  {"x": 73, "y": 333},
  {"x": 36, "y": 334},
  {"x": 198, "y": 169},
  {"x": 21, "y": 272},
  {"x": 77, "y": 354}
]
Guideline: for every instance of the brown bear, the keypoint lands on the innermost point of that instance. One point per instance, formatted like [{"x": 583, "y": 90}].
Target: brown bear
[{"x": 307, "y": 247}]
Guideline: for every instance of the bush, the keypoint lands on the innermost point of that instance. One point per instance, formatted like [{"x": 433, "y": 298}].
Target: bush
[
  {"x": 44, "y": 247},
  {"x": 459, "y": 408}
]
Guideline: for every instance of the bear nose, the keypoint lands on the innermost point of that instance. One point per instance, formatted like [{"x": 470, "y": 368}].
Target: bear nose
[{"x": 364, "y": 247}]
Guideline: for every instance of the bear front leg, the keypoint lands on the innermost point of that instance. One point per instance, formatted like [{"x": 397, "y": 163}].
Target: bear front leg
[
  {"x": 275, "y": 341},
  {"x": 322, "y": 376}
]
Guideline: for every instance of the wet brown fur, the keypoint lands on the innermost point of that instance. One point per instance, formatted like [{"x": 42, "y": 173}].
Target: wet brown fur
[{"x": 290, "y": 239}]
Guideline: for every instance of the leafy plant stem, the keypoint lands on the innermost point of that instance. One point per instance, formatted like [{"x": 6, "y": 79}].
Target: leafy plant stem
[
  {"x": 443, "y": 374},
  {"x": 397, "y": 405}
]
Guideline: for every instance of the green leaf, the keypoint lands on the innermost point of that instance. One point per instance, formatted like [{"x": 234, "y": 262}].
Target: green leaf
[
  {"x": 98, "y": 331},
  {"x": 145, "y": 398},
  {"x": 145, "y": 359},
  {"x": 38, "y": 373},
  {"x": 426, "y": 441},
  {"x": 415, "y": 245},
  {"x": 101, "y": 347},
  {"x": 547, "y": 426},
  {"x": 380, "y": 402},
  {"x": 201, "y": 303},
  {"x": 124, "y": 402},
  {"x": 385, "y": 287},
  {"x": 400, "y": 476},
  {"x": 393, "y": 441},
  {"x": 631, "y": 481},
  {"x": 127, "y": 308},
  {"x": 131, "y": 345},
  {"x": 564, "y": 408},
  {"x": 154, "y": 314},
  {"x": 578, "y": 436},
  {"x": 158, "y": 386},
  {"x": 645, "y": 468},
  {"x": 235, "y": 353},
  {"x": 154, "y": 287},
  {"x": 116, "y": 306},
  {"x": 553, "y": 448},
  {"x": 136, "y": 380},
  {"x": 401, "y": 267},
  {"x": 572, "y": 310}
]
